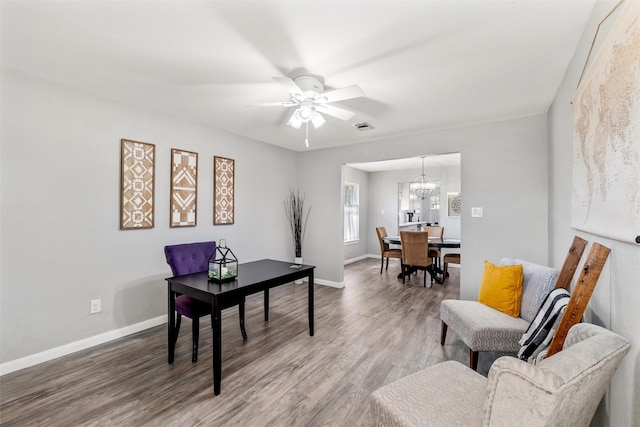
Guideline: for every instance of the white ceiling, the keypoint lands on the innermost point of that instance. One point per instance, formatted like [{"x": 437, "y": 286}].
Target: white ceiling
[
  {"x": 423, "y": 65},
  {"x": 440, "y": 160}
]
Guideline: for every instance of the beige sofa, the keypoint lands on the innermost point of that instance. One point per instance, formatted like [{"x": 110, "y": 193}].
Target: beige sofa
[
  {"x": 483, "y": 328},
  {"x": 562, "y": 390}
]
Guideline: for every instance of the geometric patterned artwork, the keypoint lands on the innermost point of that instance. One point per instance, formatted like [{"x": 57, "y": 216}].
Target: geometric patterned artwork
[
  {"x": 606, "y": 135},
  {"x": 184, "y": 188},
  {"x": 137, "y": 171},
  {"x": 223, "y": 184},
  {"x": 454, "y": 200}
]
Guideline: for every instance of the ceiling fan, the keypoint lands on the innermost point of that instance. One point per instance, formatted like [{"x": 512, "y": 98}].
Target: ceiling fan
[{"x": 308, "y": 95}]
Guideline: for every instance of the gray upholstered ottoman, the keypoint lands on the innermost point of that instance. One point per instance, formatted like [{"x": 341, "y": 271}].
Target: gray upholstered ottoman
[{"x": 430, "y": 397}]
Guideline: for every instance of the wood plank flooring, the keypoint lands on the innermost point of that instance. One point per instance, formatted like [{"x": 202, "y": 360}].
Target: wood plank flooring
[{"x": 368, "y": 334}]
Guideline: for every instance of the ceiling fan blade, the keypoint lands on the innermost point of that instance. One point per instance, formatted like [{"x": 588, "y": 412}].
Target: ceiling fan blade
[
  {"x": 291, "y": 87},
  {"x": 274, "y": 104},
  {"x": 333, "y": 111},
  {"x": 348, "y": 92}
]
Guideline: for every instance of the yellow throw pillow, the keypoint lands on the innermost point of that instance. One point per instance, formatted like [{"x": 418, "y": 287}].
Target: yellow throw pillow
[{"x": 501, "y": 287}]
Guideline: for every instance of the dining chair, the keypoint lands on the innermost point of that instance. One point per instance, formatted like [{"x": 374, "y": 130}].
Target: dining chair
[
  {"x": 452, "y": 258},
  {"x": 190, "y": 258},
  {"x": 415, "y": 254},
  {"x": 435, "y": 232},
  {"x": 384, "y": 248}
]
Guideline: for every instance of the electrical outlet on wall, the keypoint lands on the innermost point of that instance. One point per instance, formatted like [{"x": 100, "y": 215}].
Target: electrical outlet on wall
[{"x": 96, "y": 306}]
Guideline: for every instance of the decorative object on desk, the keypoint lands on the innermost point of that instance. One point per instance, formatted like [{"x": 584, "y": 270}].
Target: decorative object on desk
[
  {"x": 422, "y": 186},
  {"x": 184, "y": 188},
  {"x": 223, "y": 264},
  {"x": 137, "y": 179},
  {"x": 224, "y": 194},
  {"x": 454, "y": 203}
]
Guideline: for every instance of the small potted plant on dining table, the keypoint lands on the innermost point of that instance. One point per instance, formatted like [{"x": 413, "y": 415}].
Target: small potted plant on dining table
[{"x": 297, "y": 216}]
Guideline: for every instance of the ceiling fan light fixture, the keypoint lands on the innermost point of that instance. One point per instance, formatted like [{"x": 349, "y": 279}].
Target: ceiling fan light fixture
[
  {"x": 295, "y": 121},
  {"x": 317, "y": 119},
  {"x": 306, "y": 111}
]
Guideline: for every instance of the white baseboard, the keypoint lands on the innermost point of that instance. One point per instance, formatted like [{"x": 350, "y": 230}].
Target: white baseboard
[
  {"x": 359, "y": 258},
  {"x": 328, "y": 283},
  {"x": 54, "y": 353}
]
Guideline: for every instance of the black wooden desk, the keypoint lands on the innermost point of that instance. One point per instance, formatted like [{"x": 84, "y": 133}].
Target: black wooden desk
[{"x": 253, "y": 277}]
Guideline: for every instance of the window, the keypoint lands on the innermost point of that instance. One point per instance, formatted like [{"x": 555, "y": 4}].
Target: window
[{"x": 351, "y": 212}]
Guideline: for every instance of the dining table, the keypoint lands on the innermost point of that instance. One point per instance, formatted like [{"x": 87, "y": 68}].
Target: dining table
[{"x": 434, "y": 242}]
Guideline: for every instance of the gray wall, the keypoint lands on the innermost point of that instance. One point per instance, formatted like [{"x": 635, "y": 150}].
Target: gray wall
[
  {"x": 504, "y": 170},
  {"x": 614, "y": 303},
  {"x": 61, "y": 245}
]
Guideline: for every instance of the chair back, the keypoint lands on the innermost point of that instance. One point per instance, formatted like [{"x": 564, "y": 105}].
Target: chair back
[
  {"x": 561, "y": 390},
  {"x": 538, "y": 281},
  {"x": 415, "y": 246},
  {"x": 434, "y": 231},
  {"x": 382, "y": 233},
  {"x": 189, "y": 258}
]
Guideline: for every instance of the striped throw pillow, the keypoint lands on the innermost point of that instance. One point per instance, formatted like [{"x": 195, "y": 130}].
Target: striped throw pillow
[{"x": 541, "y": 330}]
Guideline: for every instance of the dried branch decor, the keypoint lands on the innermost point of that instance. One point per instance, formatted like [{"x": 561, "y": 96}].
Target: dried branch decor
[{"x": 294, "y": 207}]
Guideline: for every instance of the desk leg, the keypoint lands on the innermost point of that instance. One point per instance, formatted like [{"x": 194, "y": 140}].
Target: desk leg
[
  {"x": 171, "y": 331},
  {"x": 216, "y": 326},
  {"x": 311, "y": 303},
  {"x": 243, "y": 331},
  {"x": 266, "y": 305}
]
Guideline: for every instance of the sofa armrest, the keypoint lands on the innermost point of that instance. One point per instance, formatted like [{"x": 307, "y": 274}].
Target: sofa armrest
[{"x": 519, "y": 393}]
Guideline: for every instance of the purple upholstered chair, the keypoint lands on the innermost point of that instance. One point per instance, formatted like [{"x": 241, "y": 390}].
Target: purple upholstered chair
[{"x": 190, "y": 258}]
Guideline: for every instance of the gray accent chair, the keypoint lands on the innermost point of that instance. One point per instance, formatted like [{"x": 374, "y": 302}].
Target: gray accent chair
[
  {"x": 562, "y": 390},
  {"x": 483, "y": 328}
]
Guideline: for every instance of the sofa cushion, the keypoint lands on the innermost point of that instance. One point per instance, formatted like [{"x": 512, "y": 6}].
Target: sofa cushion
[
  {"x": 538, "y": 281},
  {"x": 481, "y": 327},
  {"x": 501, "y": 287}
]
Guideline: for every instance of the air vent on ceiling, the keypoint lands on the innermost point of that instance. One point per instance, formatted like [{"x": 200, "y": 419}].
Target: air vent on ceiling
[{"x": 362, "y": 126}]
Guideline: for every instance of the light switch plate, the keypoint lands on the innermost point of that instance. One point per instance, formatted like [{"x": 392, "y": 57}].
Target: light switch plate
[{"x": 476, "y": 212}]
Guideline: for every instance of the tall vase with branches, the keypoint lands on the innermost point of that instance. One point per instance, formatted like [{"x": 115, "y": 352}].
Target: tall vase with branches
[{"x": 297, "y": 216}]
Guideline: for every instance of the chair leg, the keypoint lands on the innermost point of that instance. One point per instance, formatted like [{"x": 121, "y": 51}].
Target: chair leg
[
  {"x": 195, "y": 331},
  {"x": 243, "y": 331},
  {"x": 402, "y": 268},
  {"x": 381, "y": 264},
  {"x": 387, "y": 267},
  {"x": 445, "y": 273},
  {"x": 443, "y": 332},
  {"x": 473, "y": 359}
]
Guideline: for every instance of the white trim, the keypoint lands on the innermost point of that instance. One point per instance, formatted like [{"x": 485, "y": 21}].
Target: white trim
[
  {"x": 356, "y": 259},
  {"x": 329, "y": 283},
  {"x": 73, "y": 347}
]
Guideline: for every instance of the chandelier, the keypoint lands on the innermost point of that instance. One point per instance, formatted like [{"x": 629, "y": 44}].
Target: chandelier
[{"x": 422, "y": 186}]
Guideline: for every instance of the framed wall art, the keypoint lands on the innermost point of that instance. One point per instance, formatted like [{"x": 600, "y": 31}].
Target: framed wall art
[
  {"x": 454, "y": 203},
  {"x": 605, "y": 197},
  {"x": 184, "y": 188},
  {"x": 223, "y": 187},
  {"x": 137, "y": 184}
]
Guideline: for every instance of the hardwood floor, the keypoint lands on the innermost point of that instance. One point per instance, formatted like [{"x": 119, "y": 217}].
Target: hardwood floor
[{"x": 368, "y": 334}]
